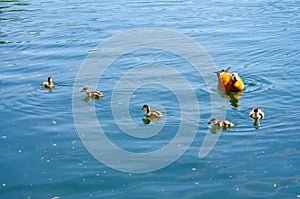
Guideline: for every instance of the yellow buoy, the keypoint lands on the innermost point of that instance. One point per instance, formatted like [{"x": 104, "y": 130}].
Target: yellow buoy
[{"x": 229, "y": 82}]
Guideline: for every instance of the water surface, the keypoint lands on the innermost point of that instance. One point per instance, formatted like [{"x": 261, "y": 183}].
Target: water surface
[{"x": 42, "y": 155}]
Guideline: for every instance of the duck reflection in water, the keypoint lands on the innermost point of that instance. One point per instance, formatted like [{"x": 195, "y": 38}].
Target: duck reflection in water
[
  {"x": 146, "y": 120},
  {"x": 233, "y": 98}
]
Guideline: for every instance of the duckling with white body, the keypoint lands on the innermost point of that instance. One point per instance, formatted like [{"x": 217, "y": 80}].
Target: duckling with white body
[
  {"x": 257, "y": 114},
  {"x": 49, "y": 84}
]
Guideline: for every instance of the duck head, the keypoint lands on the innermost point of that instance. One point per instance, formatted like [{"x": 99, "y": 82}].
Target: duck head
[
  {"x": 145, "y": 107},
  {"x": 213, "y": 121},
  {"x": 255, "y": 110},
  {"x": 49, "y": 79},
  {"x": 84, "y": 90}
]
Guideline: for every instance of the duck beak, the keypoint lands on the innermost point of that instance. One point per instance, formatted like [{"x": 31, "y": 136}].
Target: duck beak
[
  {"x": 208, "y": 123},
  {"x": 218, "y": 73}
]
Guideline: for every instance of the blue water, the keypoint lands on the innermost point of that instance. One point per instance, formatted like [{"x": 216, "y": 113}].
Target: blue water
[{"x": 42, "y": 155}]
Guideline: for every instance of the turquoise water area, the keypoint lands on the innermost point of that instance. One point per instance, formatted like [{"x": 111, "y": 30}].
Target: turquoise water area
[{"x": 42, "y": 155}]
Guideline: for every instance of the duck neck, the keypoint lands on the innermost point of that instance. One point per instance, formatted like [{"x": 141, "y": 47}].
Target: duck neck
[{"x": 147, "y": 110}]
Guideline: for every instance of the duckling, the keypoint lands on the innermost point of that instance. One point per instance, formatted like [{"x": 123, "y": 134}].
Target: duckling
[
  {"x": 223, "y": 124},
  {"x": 151, "y": 114},
  {"x": 49, "y": 84},
  {"x": 257, "y": 113},
  {"x": 229, "y": 82},
  {"x": 92, "y": 94}
]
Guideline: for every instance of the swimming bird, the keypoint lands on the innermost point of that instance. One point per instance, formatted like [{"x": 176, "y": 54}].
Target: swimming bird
[
  {"x": 257, "y": 113},
  {"x": 223, "y": 124},
  {"x": 151, "y": 114},
  {"x": 229, "y": 82},
  {"x": 92, "y": 94},
  {"x": 49, "y": 84}
]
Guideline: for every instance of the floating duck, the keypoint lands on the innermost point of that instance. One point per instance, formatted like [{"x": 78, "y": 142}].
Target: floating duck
[
  {"x": 257, "y": 114},
  {"x": 152, "y": 115},
  {"x": 92, "y": 94},
  {"x": 49, "y": 84},
  {"x": 229, "y": 82},
  {"x": 223, "y": 124}
]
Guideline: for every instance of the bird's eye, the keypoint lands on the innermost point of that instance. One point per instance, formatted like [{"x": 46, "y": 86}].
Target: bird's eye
[{"x": 222, "y": 71}]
